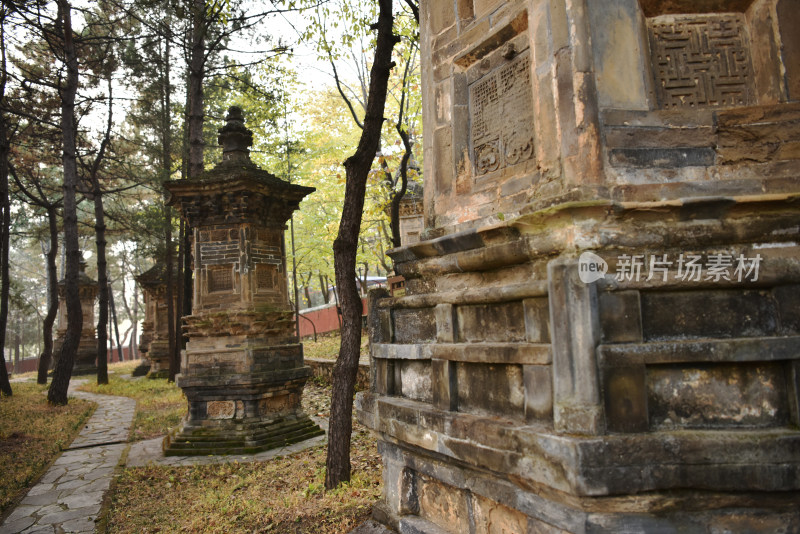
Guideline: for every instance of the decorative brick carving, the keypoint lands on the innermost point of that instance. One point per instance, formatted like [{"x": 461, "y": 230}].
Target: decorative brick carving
[
  {"x": 221, "y": 409},
  {"x": 267, "y": 276},
  {"x": 501, "y": 116},
  {"x": 220, "y": 280},
  {"x": 701, "y": 60},
  {"x": 216, "y": 252}
]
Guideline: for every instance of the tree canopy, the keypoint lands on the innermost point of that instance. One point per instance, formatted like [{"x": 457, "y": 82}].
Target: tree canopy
[{"x": 103, "y": 102}]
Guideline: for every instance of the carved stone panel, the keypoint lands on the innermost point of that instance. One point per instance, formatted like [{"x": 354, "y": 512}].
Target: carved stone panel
[
  {"x": 501, "y": 117},
  {"x": 268, "y": 277},
  {"x": 220, "y": 279},
  {"x": 701, "y": 60}
]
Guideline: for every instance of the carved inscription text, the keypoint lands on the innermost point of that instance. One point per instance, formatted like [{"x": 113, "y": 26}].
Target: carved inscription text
[{"x": 501, "y": 117}]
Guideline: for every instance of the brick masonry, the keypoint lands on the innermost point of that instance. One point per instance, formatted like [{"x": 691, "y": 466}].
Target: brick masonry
[{"x": 242, "y": 371}]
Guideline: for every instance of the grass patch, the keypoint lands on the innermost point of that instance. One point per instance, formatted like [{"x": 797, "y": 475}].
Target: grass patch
[
  {"x": 160, "y": 405},
  {"x": 32, "y": 433},
  {"x": 326, "y": 346},
  {"x": 285, "y": 494}
]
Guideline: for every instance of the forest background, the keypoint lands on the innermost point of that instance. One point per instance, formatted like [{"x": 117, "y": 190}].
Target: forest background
[{"x": 299, "y": 70}]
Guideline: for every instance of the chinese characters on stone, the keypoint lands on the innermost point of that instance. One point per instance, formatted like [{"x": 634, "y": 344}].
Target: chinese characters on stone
[{"x": 688, "y": 267}]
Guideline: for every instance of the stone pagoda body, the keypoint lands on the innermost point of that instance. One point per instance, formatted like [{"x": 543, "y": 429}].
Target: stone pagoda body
[
  {"x": 242, "y": 370},
  {"x": 154, "y": 341},
  {"x": 601, "y": 322},
  {"x": 86, "y": 357}
]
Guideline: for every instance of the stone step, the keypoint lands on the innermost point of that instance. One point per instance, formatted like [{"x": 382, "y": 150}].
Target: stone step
[
  {"x": 201, "y": 434},
  {"x": 228, "y": 447}
]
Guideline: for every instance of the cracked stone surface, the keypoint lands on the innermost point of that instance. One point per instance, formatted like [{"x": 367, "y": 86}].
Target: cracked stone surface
[{"x": 69, "y": 496}]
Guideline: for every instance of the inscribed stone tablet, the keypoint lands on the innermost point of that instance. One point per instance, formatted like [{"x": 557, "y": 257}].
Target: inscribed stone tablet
[{"x": 501, "y": 116}]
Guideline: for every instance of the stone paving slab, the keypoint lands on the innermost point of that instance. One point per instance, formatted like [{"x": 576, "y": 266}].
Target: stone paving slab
[
  {"x": 107, "y": 425},
  {"x": 69, "y": 496}
]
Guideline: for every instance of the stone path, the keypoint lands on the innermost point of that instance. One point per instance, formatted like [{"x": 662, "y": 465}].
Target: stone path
[{"x": 68, "y": 497}]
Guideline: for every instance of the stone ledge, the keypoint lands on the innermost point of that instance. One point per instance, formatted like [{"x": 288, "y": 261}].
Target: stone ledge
[
  {"x": 700, "y": 351},
  {"x": 614, "y": 464},
  {"x": 504, "y": 353},
  {"x": 396, "y": 351},
  {"x": 532, "y": 289},
  {"x": 688, "y": 223},
  {"x": 244, "y": 380},
  {"x": 691, "y": 511}
]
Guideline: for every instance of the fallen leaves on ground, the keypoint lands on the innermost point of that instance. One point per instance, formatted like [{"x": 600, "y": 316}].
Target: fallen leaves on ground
[
  {"x": 32, "y": 433},
  {"x": 282, "y": 495}
]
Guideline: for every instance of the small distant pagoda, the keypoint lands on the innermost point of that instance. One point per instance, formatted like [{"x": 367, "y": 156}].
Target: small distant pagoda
[
  {"x": 154, "y": 341},
  {"x": 86, "y": 357},
  {"x": 242, "y": 370}
]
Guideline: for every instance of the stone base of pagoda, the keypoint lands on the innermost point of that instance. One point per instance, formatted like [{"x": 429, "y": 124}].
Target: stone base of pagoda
[
  {"x": 158, "y": 354},
  {"x": 242, "y": 412},
  {"x": 85, "y": 362},
  {"x": 240, "y": 436},
  {"x": 143, "y": 368}
]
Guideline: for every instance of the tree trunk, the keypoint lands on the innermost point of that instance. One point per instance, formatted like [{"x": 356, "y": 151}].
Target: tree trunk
[
  {"x": 52, "y": 297},
  {"x": 194, "y": 167},
  {"x": 102, "y": 263},
  {"x": 170, "y": 278},
  {"x": 134, "y": 318},
  {"x": 17, "y": 343},
  {"x": 345, "y": 248},
  {"x": 113, "y": 310},
  {"x": 166, "y": 169},
  {"x": 307, "y": 290},
  {"x": 195, "y": 94},
  {"x": 5, "y": 210},
  {"x": 323, "y": 285},
  {"x": 187, "y": 275},
  {"x": 5, "y": 385},
  {"x": 102, "y": 284},
  {"x": 397, "y": 196},
  {"x": 57, "y": 394}
]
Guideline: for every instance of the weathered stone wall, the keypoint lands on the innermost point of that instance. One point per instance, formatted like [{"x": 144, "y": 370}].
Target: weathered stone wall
[
  {"x": 154, "y": 341},
  {"x": 523, "y": 109},
  {"x": 239, "y": 265},
  {"x": 598, "y": 332}
]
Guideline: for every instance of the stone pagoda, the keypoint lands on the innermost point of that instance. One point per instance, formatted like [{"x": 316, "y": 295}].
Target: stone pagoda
[
  {"x": 601, "y": 322},
  {"x": 154, "y": 341},
  {"x": 86, "y": 357},
  {"x": 242, "y": 370}
]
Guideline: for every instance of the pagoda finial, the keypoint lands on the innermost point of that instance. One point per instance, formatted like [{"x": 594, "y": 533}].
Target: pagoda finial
[{"x": 234, "y": 137}]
